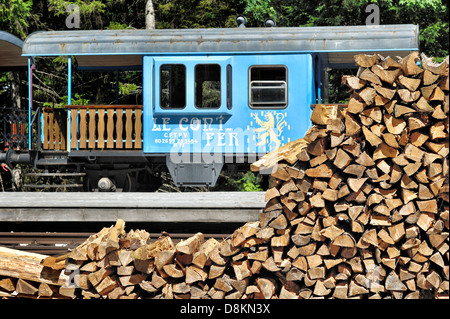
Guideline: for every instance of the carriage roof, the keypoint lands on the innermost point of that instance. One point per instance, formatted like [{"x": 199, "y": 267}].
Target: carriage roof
[
  {"x": 10, "y": 51},
  {"x": 121, "y": 48}
]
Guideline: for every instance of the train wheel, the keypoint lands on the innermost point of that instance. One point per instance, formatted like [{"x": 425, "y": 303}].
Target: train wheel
[
  {"x": 87, "y": 185},
  {"x": 130, "y": 183}
]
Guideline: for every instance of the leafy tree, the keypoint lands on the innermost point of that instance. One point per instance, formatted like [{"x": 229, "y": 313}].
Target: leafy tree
[
  {"x": 15, "y": 16},
  {"x": 257, "y": 11},
  {"x": 196, "y": 13},
  {"x": 430, "y": 15}
]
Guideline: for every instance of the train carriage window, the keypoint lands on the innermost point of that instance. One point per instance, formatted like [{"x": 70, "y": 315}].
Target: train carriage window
[
  {"x": 268, "y": 86},
  {"x": 207, "y": 86},
  {"x": 229, "y": 87},
  {"x": 172, "y": 86}
]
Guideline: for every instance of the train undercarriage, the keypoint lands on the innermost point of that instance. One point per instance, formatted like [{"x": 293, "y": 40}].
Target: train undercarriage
[{"x": 112, "y": 171}]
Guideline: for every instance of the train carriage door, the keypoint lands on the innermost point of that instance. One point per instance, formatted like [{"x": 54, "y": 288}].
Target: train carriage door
[
  {"x": 280, "y": 91},
  {"x": 148, "y": 88}
]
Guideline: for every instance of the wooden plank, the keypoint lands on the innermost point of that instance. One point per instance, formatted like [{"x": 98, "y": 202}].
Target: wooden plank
[
  {"x": 129, "y": 128},
  {"x": 73, "y": 129},
  {"x": 63, "y": 125},
  {"x": 51, "y": 138},
  {"x": 110, "y": 129},
  {"x": 83, "y": 128},
  {"x": 119, "y": 128},
  {"x": 57, "y": 130},
  {"x": 101, "y": 129},
  {"x": 92, "y": 128},
  {"x": 138, "y": 129},
  {"x": 238, "y": 200},
  {"x": 107, "y": 107},
  {"x": 45, "y": 142}
]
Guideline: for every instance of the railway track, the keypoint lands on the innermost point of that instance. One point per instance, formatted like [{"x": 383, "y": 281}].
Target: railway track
[
  {"x": 59, "y": 243},
  {"x": 54, "y": 223}
]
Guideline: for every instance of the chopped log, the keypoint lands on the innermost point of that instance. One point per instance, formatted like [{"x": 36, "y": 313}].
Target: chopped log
[
  {"x": 369, "y": 76},
  {"x": 408, "y": 96},
  {"x": 24, "y": 287},
  {"x": 388, "y": 76},
  {"x": 241, "y": 269},
  {"x": 409, "y": 65},
  {"x": 194, "y": 274},
  {"x": 435, "y": 68},
  {"x": 46, "y": 290},
  {"x": 202, "y": 255},
  {"x": 267, "y": 286},
  {"x": 367, "y": 95},
  {"x": 394, "y": 125},
  {"x": 27, "y": 266},
  {"x": 366, "y": 61},
  {"x": 190, "y": 245},
  {"x": 354, "y": 82},
  {"x": 8, "y": 284},
  {"x": 173, "y": 271},
  {"x": 372, "y": 138},
  {"x": 351, "y": 125},
  {"x": 246, "y": 231},
  {"x": 410, "y": 83}
]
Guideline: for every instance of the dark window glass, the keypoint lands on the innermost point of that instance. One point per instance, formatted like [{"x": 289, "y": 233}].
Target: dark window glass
[
  {"x": 229, "y": 87},
  {"x": 173, "y": 86},
  {"x": 207, "y": 86}
]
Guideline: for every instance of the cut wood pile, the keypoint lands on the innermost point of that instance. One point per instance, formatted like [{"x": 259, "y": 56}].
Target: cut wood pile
[{"x": 358, "y": 208}]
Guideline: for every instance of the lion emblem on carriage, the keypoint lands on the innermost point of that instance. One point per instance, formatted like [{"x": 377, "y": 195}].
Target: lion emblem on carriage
[{"x": 271, "y": 128}]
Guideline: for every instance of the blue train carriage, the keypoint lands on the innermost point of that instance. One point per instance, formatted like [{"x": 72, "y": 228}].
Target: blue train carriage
[{"x": 212, "y": 98}]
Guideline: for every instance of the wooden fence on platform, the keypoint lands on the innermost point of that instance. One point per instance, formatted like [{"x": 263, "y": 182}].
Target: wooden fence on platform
[
  {"x": 94, "y": 127},
  {"x": 54, "y": 129}
]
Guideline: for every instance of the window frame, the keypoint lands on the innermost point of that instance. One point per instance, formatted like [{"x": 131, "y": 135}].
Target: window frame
[
  {"x": 267, "y": 105},
  {"x": 229, "y": 86},
  {"x": 161, "y": 88},
  {"x": 195, "y": 89}
]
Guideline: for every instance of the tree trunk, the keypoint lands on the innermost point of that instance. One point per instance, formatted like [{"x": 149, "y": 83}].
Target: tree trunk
[
  {"x": 149, "y": 15},
  {"x": 15, "y": 89}
]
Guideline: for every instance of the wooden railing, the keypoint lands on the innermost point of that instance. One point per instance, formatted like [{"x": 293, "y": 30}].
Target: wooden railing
[
  {"x": 105, "y": 127},
  {"x": 54, "y": 129}
]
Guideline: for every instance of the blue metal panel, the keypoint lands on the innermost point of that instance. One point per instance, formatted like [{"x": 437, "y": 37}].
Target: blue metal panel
[
  {"x": 69, "y": 98},
  {"x": 190, "y": 62},
  {"x": 241, "y": 130},
  {"x": 148, "y": 98}
]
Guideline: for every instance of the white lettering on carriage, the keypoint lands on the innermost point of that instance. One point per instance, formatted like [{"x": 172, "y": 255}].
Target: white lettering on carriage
[
  {"x": 221, "y": 139},
  {"x": 183, "y": 120},
  {"x": 207, "y": 121},
  {"x": 166, "y": 120},
  {"x": 195, "y": 124},
  {"x": 209, "y": 138}
]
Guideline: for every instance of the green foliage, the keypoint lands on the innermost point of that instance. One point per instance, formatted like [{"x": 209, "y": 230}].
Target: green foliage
[
  {"x": 127, "y": 88},
  {"x": 117, "y": 26},
  {"x": 77, "y": 99},
  {"x": 257, "y": 11},
  {"x": 15, "y": 16},
  {"x": 85, "y": 7},
  {"x": 177, "y": 14},
  {"x": 250, "y": 183}
]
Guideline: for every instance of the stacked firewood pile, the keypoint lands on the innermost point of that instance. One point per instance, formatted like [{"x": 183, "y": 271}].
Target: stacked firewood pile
[
  {"x": 365, "y": 202},
  {"x": 358, "y": 208}
]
